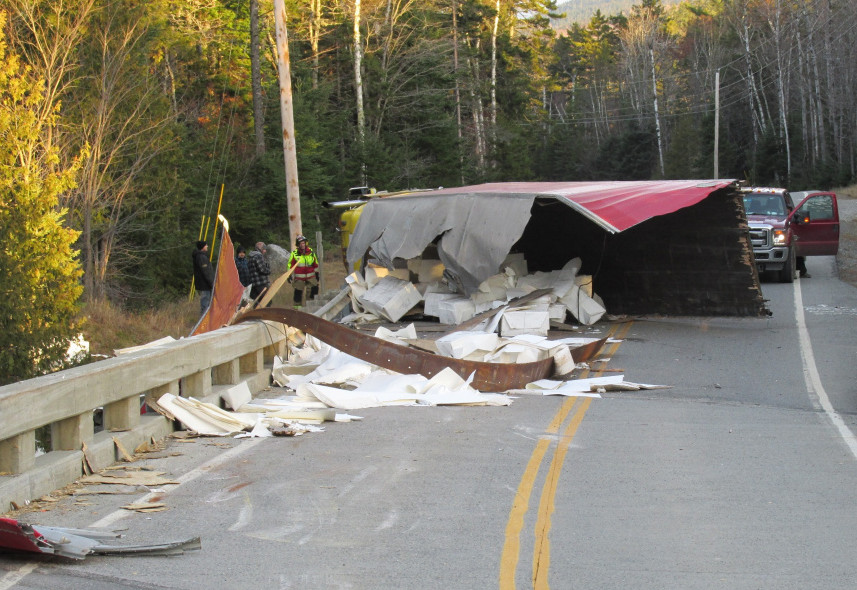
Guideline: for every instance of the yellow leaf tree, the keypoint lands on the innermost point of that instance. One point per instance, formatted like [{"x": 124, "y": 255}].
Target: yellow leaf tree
[{"x": 40, "y": 271}]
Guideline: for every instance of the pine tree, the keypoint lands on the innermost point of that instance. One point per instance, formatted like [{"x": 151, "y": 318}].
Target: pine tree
[{"x": 40, "y": 272}]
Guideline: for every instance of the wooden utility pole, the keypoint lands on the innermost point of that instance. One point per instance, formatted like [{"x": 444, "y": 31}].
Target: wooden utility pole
[{"x": 288, "y": 120}]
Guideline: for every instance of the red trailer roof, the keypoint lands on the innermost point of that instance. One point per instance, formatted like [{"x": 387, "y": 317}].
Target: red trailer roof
[
  {"x": 614, "y": 205},
  {"x": 478, "y": 225}
]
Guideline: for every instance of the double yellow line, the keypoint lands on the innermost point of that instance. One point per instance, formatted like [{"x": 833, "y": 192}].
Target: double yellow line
[{"x": 521, "y": 503}]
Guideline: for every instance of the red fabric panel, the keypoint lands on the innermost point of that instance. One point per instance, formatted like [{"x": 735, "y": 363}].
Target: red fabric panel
[{"x": 227, "y": 291}]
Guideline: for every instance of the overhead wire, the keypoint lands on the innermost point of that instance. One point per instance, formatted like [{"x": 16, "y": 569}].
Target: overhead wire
[{"x": 210, "y": 190}]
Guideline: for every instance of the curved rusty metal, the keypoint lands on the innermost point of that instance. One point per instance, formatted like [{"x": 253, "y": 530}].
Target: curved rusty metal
[
  {"x": 402, "y": 359},
  {"x": 585, "y": 352}
]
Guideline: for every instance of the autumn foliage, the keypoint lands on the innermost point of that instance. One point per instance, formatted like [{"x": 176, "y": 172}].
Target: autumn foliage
[{"x": 40, "y": 286}]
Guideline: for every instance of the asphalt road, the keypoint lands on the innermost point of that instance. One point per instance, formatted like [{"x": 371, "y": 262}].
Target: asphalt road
[{"x": 742, "y": 474}]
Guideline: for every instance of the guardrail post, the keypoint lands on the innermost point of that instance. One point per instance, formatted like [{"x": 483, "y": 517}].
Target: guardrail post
[
  {"x": 228, "y": 373},
  {"x": 69, "y": 434},
  {"x": 197, "y": 385},
  {"x": 123, "y": 414},
  {"x": 275, "y": 349},
  {"x": 154, "y": 394},
  {"x": 252, "y": 362},
  {"x": 18, "y": 454}
]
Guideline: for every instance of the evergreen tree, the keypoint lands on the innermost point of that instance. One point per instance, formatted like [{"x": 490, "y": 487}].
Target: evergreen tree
[{"x": 40, "y": 287}]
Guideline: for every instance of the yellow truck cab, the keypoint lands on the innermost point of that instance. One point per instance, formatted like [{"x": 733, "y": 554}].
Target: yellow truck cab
[
  {"x": 358, "y": 196},
  {"x": 353, "y": 207}
]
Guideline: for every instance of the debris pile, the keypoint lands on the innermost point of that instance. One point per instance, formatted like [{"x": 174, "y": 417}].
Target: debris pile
[
  {"x": 321, "y": 383},
  {"x": 498, "y": 348},
  {"x": 384, "y": 294}
]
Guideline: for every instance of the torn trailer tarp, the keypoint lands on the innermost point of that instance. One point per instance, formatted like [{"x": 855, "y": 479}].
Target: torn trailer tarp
[{"x": 674, "y": 246}]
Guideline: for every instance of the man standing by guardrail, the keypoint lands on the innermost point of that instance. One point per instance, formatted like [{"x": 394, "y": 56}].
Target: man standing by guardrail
[
  {"x": 260, "y": 270},
  {"x": 203, "y": 275}
]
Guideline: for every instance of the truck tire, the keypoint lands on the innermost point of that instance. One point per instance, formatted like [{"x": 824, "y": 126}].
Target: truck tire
[{"x": 787, "y": 274}]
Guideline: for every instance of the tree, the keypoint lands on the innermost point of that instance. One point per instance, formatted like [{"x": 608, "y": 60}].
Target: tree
[
  {"x": 256, "y": 80},
  {"x": 644, "y": 34},
  {"x": 122, "y": 114},
  {"x": 40, "y": 287},
  {"x": 96, "y": 57},
  {"x": 586, "y": 65},
  {"x": 46, "y": 34}
]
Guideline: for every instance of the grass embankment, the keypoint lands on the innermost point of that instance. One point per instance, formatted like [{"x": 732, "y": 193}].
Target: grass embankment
[{"x": 108, "y": 327}]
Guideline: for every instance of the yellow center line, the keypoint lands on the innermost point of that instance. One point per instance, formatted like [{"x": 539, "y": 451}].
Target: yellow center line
[
  {"x": 512, "y": 546},
  {"x": 541, "y": 551},
  {"x": 520, "y": 505}
]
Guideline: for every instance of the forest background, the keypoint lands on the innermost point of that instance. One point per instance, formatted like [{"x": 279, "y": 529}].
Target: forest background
[{"x": 142, "y": 113}]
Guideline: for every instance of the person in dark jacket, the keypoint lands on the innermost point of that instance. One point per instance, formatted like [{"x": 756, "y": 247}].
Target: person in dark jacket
[
  {"x": 260, "y": 270},
  {"x": 203, "y": 275},
  {"x": 241, "y": 265}
]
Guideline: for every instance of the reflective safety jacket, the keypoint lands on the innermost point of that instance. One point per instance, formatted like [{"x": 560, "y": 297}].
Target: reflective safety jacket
[{"x": 306, "y": 264}]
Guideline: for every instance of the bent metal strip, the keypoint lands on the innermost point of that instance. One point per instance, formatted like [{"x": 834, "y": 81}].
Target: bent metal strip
[{"x": 493, "y": 377}]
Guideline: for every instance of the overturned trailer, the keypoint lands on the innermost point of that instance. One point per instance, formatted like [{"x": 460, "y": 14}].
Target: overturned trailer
[{"x": 675, "y": 247}]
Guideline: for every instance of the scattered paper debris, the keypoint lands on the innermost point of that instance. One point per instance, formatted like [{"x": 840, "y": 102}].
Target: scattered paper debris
[
  {"x": 505, "y": 322},
  {"x": 237, "y": 396},
  {"x": 122, "y": 452},
  {"x": 104, "y": 492},
  {"x": 87, "y": 459},
  {"x": 145, "y": 506},
  {"x": 136, "y": 478},
  {"x": 590, "y": 387},
  {"x": 205, "y": 418},
  {"x": 294, "y": 429}
]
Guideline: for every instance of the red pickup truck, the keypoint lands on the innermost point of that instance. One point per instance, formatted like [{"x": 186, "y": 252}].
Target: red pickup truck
[{"x": 783, "y": 234}]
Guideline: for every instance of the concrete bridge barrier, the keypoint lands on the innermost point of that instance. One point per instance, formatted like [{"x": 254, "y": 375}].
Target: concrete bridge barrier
[{"x": 65, "y": 404}]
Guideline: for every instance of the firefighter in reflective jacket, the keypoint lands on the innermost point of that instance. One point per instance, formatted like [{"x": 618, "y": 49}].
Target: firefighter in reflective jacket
[{"x": 306, "y": 271}]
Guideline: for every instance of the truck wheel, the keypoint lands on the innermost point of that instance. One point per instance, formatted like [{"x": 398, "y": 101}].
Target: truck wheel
[{"x": 787, "y": 275}]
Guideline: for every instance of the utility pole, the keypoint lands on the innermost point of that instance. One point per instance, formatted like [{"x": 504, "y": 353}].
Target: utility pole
[
  {"x": 716, "y": 124},
  {"x": 288, "y": 120}
]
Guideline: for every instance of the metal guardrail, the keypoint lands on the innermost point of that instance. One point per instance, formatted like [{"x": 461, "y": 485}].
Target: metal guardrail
[{"x": 65, "y": 402}]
